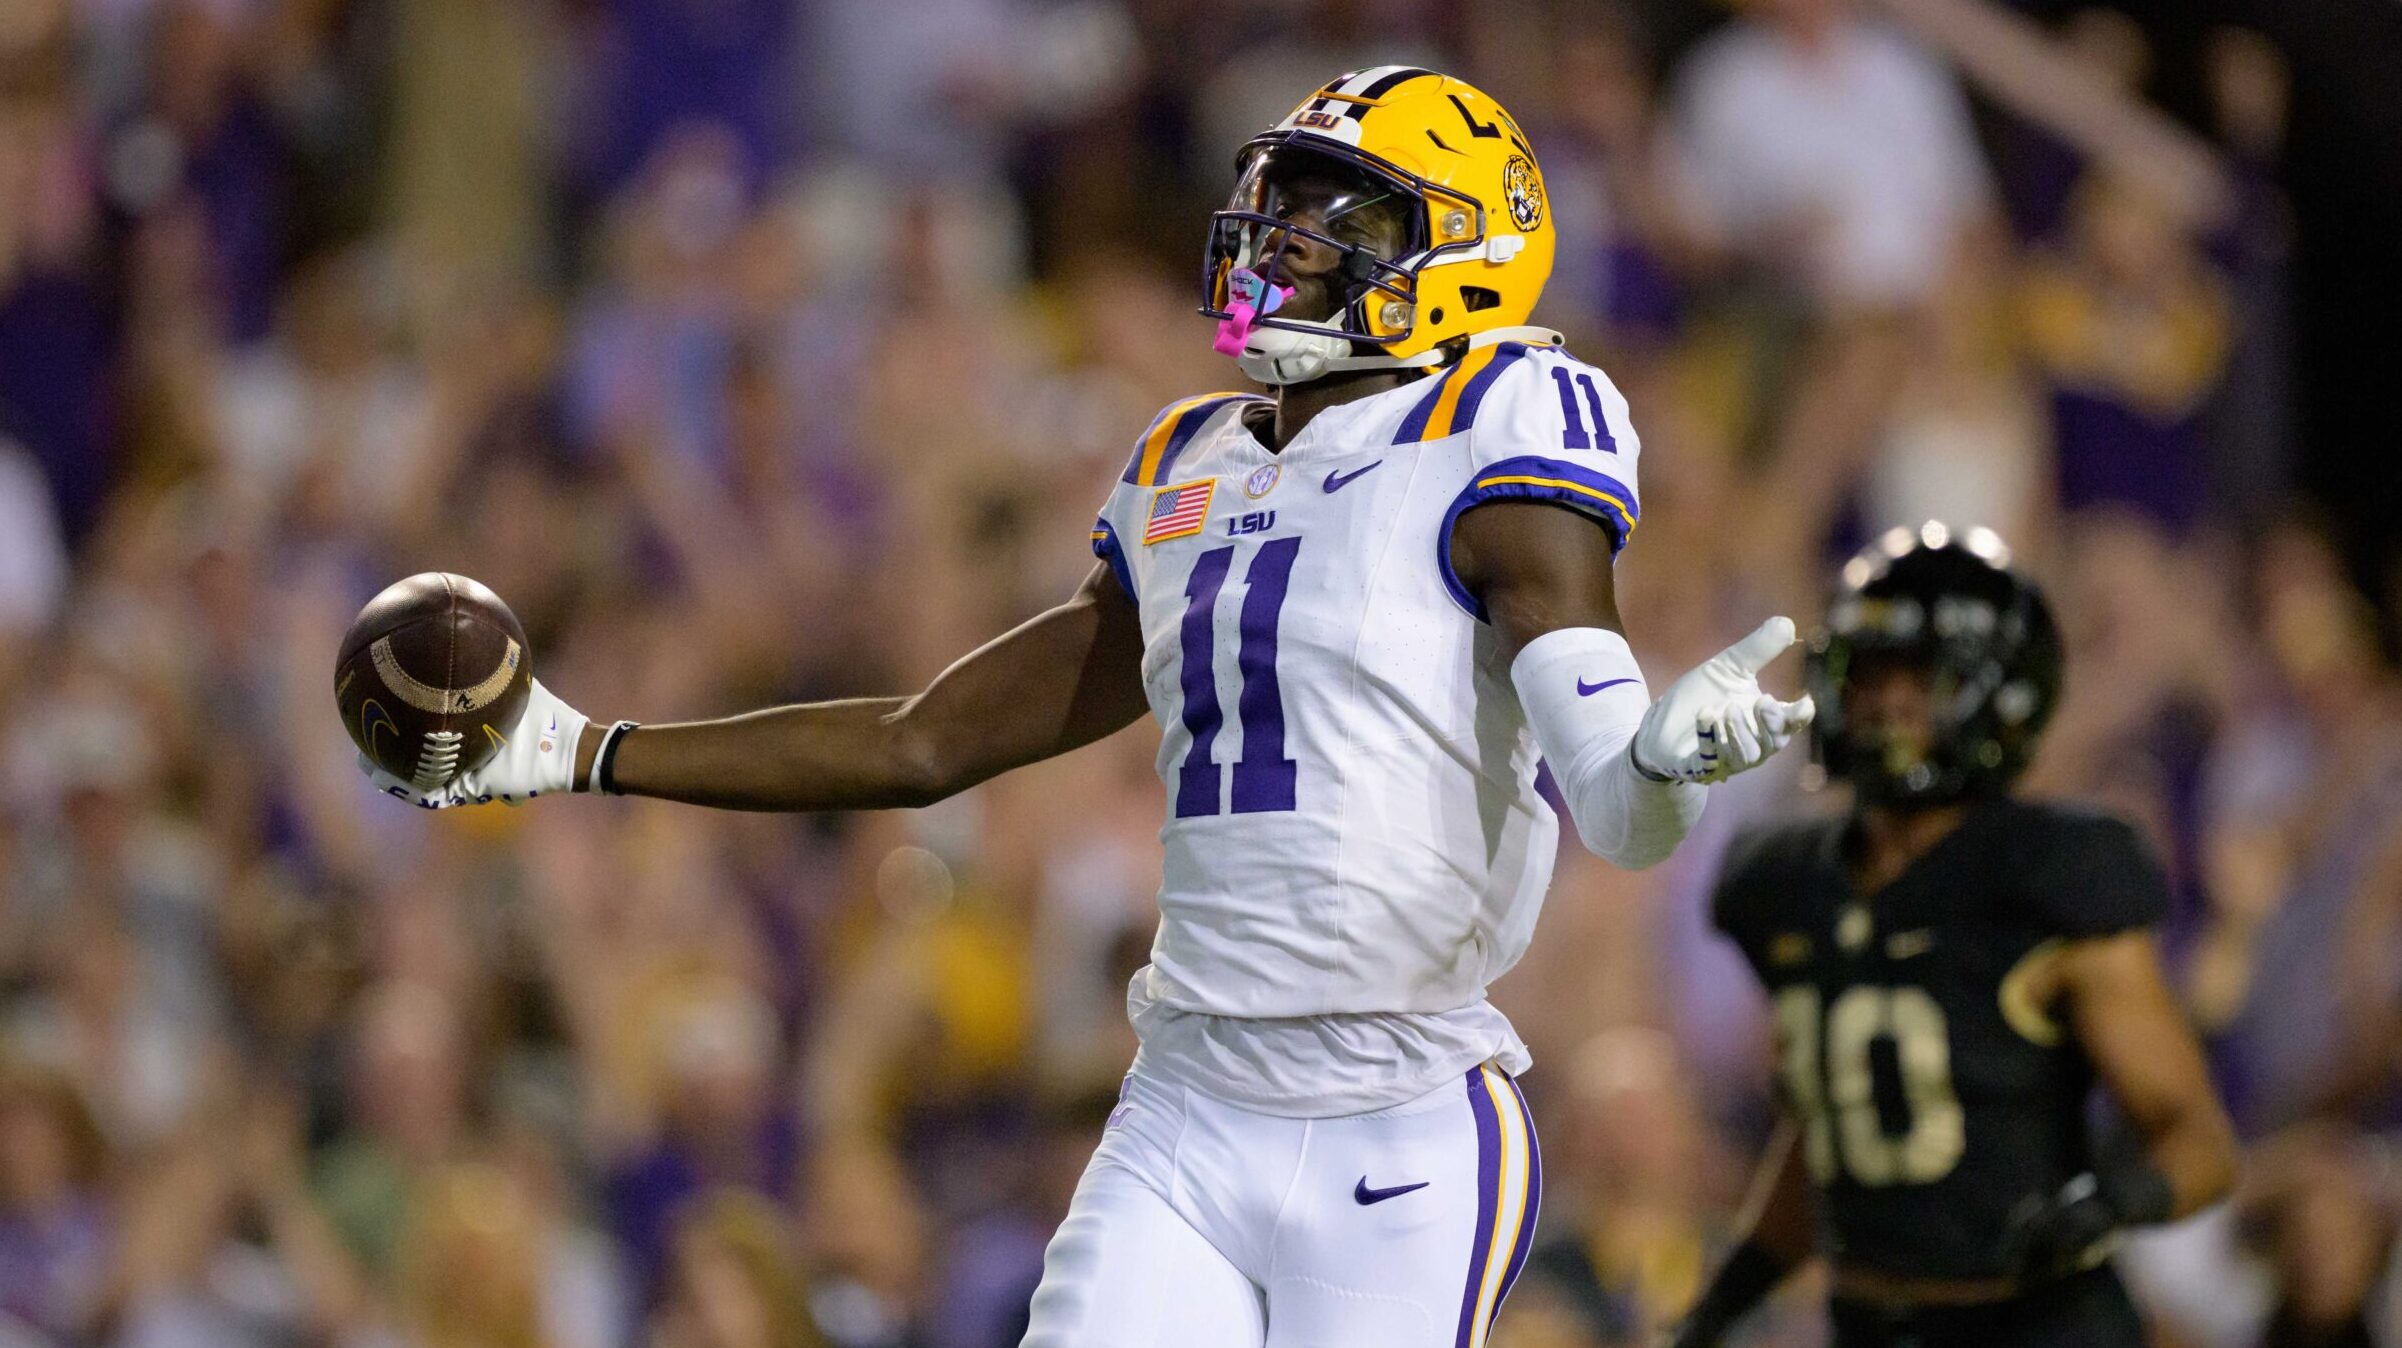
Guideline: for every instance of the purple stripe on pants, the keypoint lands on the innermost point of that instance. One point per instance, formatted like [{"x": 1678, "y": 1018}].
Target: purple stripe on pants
[
  {"x": 1488, "y": 1197},
  {"x": 1534, "y": 1200}
]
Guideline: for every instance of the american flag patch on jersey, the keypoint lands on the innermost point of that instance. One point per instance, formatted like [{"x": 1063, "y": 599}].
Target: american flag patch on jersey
[{"x": 1178, "y": 511}]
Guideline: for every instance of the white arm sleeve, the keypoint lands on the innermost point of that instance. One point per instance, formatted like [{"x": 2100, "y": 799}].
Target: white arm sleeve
[{"x": 1584, "y": 696}]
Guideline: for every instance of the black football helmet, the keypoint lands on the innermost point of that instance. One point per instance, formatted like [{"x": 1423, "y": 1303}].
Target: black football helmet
[{"x": 1954, "y": 608}]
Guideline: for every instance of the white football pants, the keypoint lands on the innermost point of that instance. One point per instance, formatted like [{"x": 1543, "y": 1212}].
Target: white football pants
[{"x": 1201, "y": 1225}]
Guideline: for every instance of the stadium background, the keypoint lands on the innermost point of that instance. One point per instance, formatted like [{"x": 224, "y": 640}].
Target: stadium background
[{"x": 758, "y": 351}]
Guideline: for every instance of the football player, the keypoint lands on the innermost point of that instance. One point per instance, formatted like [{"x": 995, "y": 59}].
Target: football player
[
  {"x": 1952, "y": 970},
  {"x": 1358, "y": 607}
]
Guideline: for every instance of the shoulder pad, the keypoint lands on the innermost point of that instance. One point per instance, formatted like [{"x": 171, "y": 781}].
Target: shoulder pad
[
  {"x": 1155, "y": 454},
  {"x": 1453, "y": 398},
  {"x": 2092, "y": 873}
]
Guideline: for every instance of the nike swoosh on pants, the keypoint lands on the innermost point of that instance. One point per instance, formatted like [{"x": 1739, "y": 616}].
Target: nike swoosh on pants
[{"x": 1365, "y": 1196}]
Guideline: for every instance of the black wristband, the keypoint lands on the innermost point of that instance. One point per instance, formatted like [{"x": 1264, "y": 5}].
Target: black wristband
[
  {"x": 604, "y": 759},
  {"x": 1749, "y": 1274},
  {"x": 2138, "y": 1194}
]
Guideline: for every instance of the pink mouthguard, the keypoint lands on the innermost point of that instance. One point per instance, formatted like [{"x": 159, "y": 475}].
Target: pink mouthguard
[{"x": 1249, "y": 298}]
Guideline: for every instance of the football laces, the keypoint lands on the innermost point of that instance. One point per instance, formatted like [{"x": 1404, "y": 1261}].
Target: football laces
[{"x": 438, "y": 759}]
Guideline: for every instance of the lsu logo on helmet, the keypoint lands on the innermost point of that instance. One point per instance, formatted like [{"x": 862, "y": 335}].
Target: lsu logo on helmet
[
  {"x": 1523, "y": 188},
  {"x": 1477, "y": 241}
]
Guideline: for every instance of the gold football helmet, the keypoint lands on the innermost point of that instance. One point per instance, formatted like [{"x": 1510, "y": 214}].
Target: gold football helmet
[{"x": 1430, "y": 200}]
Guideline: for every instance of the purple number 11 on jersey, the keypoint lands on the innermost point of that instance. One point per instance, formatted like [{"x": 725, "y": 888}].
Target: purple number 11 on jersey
[{"x": 1263, "y": 776}]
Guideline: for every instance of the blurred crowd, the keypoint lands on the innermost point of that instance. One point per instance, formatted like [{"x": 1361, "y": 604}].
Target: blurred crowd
[{"x": 760, "y": 350}]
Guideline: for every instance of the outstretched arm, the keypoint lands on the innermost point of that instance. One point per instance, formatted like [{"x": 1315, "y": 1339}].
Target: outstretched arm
[
  {"x": 1631, "y": 769},
  {"x": 2012, "y": 61},
  {"x": 1056, "y": 682}
]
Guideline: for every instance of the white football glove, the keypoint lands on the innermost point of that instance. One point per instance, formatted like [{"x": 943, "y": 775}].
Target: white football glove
[
  {"x": 1715, "y": 722},
  {"x": 536, "y": 758}
]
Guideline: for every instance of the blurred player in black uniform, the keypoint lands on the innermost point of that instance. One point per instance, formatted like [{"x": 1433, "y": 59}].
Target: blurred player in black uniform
[{"x": 1953, "y": 970}]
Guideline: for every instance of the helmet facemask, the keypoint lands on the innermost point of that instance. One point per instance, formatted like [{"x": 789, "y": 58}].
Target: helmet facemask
[
  {"x": 1894, "y": 763},
  {"x": 1985, "y": 656},
  {"x": 1318, "y": 243}
]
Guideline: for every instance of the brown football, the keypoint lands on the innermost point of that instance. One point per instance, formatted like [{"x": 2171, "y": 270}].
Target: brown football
[{"x": 431, "y": 676}]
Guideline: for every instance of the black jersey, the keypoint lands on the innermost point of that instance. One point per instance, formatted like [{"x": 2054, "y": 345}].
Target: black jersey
[{"x": 1933, "y": 1093}]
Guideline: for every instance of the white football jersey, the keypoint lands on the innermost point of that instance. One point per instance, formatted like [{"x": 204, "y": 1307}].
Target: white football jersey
[{"x": 1355, "y": 848}]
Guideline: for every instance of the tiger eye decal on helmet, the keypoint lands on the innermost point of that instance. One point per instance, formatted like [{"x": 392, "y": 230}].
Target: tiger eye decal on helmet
[{"x": 1448, "y": 200}]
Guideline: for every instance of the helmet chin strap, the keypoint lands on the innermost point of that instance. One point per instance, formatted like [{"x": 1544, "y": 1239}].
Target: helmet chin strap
[{"x": 1281, "y": 356}]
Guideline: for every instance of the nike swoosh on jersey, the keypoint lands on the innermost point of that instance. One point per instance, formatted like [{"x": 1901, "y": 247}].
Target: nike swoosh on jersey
[
  {"x": 1584, "y": 689},
  {"x": 1366, "y": 1196},
  {"x": 1337, "y": 481}
]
